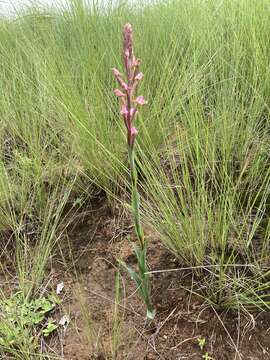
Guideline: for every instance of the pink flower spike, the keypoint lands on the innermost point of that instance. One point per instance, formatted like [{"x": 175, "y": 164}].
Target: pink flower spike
[
  {"x": 140, "y": 100},
  {"x": 119, "y": 93}
]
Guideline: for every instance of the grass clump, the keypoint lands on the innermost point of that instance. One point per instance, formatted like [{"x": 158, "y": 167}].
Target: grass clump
[{"x": 208, "y": 188}]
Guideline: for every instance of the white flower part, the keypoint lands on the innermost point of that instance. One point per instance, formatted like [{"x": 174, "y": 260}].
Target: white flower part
[{"x": 59, "y": 288}]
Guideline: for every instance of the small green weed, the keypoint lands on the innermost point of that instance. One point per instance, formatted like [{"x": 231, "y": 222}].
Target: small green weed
[
  {"x": 25, "y": 320},
  {"x": 206, "y": 356},
  {"x": 201, "y": 342}
]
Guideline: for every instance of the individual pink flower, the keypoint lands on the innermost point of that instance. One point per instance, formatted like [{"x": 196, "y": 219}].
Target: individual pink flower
[{"x": 140, "y": 100}]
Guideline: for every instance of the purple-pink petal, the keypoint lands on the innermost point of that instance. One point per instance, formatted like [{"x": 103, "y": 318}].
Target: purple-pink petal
[{"x": 140, "y": 100}]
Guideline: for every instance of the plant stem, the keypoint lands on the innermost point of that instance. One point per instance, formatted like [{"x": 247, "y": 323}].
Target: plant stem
[
  {"x": 135, "y": 198},
  {"x": 140, "y": 252}
]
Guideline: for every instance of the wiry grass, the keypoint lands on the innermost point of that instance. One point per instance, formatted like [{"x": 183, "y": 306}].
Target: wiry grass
[
  {"x": 208, "y": 191},
  {"x": 203, "y": 148}
]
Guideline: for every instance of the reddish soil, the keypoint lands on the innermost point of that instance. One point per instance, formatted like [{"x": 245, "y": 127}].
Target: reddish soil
[{"x": 92, "y": 248}]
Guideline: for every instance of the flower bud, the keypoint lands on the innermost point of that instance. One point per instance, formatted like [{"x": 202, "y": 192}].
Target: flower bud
[{"x": 133, "y": 133}]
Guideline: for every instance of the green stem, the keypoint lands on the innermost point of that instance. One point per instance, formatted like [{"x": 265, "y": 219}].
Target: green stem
[
  {"x": 143, "y": 280},
  {"x": 135, "y": 198}
]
